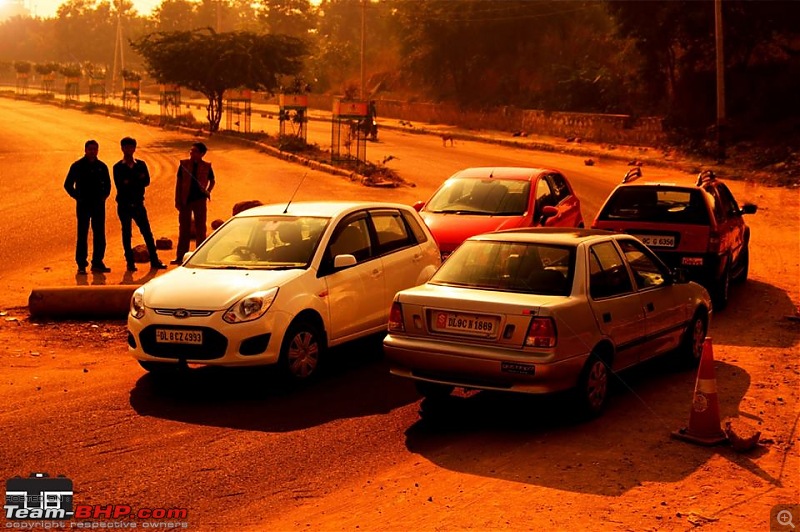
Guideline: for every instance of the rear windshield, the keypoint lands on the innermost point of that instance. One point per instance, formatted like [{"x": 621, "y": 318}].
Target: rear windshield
[
  {"x": 659, "y": 205},
  {"x": 509, "y": 267}
]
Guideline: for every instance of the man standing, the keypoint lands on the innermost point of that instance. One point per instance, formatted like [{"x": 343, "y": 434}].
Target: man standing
[
  {"x": 89, "y": 184},
  {"x": 131, "y": 177},
  {"x": 192, "y": 192}
]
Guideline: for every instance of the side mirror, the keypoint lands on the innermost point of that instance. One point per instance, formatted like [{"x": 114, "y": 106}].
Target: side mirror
[
  {"x": 680, "y": 276},
  {"x": 749, "y": 208},
  {"x": 343, "y": 261},
  {"x": 186, "y": 256},
  {"x": 419, "y": 205},
  {"x": 547, "y": 212}
]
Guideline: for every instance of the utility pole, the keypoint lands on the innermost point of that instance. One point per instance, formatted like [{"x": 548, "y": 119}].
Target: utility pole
[
  {"x": 363, "y": 46},
  {"x": 721, "y": 125},
  {"x": 118, "y": 51}
]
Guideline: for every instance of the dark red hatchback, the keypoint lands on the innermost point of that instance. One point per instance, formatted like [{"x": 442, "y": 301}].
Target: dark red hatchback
[{"x": 481, "y": 200}]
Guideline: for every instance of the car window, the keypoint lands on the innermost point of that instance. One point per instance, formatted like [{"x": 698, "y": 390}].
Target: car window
[
  {"x": 351, "y": 238},
  {"x": 544, "y": 195},
  {"x": 647, "y": 270},
  {"x": 657, "y": 204},
  {"x": 510, "y": 267},
  {"x": 416, "y": 229},
  {"x": 727, "y": 200},
  {"x": 608, "y": 276},
  {"x": 481, "y": 196},
  {"x": 391, "y": 231},
  {"x": 559, "y": 186}
]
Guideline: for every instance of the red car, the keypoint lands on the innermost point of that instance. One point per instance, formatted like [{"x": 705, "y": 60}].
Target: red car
[
  {"x": 694, "y": 224},
  {"x": 481, "y": 200}
]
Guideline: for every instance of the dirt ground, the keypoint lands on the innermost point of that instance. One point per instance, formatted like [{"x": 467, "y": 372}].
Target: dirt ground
[{"x": 670, "y": 486}]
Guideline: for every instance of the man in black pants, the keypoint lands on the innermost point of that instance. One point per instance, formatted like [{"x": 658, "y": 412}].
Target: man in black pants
[
  {"x": 89, "y": 184},
  {"x": 131, "y": 177}
]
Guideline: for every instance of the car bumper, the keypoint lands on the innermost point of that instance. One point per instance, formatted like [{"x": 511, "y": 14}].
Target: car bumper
[
  {"x": 704, "y": 269},
  {"x": 479, "y": 367},
  {"x": 250, "y": 343}
]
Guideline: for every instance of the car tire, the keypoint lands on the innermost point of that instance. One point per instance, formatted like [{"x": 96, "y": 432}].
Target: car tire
[
  {"x": 301, "y": 351},
  {"x": 158, "y": 368},
  {"x": 591, "y": 393},
  {"x": 722, "y": 289},
  {"x": 691, "y": 348},
  {"x": 744, "y": 268},
  {"x": 433, "y": 391}
]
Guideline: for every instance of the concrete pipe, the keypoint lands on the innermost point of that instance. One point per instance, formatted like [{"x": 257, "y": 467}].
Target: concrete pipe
[{"x": 107, "y": 301}]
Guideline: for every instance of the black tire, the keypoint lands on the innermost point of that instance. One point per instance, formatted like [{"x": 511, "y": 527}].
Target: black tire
[
  {"x": 691, "y": 349},
  {"x": 721, "y": 290},
  {"x": 591, "y": 393},
  {"x": 301, "y": 351},
  {"x": 744, "y": 266},
  {"x": 158, "y": 368},
  {"x": 433, "y": 391}
]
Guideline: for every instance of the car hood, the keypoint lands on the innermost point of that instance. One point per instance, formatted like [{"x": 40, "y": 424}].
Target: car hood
[
  {"x": 196, "y": 288},
  {"x": 450, "y": 230},
  {"x": 472, "y": 300}
]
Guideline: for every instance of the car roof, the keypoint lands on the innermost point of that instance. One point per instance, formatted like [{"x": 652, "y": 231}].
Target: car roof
[
  {"x": 501, "y": 172},
  {"x": 549, "y": 235},
  {"x": 327, "y": 209}
]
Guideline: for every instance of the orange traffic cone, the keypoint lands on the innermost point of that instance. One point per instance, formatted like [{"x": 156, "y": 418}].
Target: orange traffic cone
[{"x": 704, "y": 422}]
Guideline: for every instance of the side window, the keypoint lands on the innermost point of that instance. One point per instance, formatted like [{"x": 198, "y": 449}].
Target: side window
[
  {"x": 560, "y": 187},
  {"x": 416, "y": 229},
  {"x": 544, "y": 196},
  {"x": 608, "y": 276},
  {"x": 647, "y": 272},
  {"x": 351, "y": 238},
  {"x": 390, "y": 230},
  {"x": 728, "y": 201}
]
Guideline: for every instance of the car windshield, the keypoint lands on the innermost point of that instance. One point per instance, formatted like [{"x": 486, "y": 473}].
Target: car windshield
[
  {"x": 261, "y": 242},
  {"x": 657, "y": 204},
  {"x": 510, "y": 267},
  {"x": 498, "y": 197}
]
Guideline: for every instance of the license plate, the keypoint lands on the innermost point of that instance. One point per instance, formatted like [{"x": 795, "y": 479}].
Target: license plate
[
  {"x": 657, "y": 241},
  {"x": 465, "y": 323},
  {"x": 518, "y": 367},
  {"x": 170, "y": 336}
]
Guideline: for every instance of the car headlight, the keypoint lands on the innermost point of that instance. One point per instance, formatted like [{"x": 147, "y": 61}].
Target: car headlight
[
  {"x": 251, "y": 307},
  {"x": 137, "y": 303}
]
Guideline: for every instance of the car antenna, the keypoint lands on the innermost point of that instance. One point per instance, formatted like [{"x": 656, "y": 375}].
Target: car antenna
[{"x": 295, "y": 192}]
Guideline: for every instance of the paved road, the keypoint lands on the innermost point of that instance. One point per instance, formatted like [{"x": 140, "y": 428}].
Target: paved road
[{"x": 239, "y": 452}]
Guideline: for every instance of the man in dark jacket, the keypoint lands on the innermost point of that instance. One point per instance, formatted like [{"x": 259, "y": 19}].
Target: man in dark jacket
[
  {"x": 89, "y": 184},
  {"x": 193, "y": 186},
  {"x": 131, "y": 177}
]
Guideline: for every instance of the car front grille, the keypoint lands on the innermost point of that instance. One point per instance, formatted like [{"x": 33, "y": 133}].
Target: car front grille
[
  {"x": 185, "y": 312},
  {"x": 214, "y": 344}
]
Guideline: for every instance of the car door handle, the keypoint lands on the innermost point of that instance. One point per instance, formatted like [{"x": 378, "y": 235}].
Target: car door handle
[
  {"x": 606, "y": 317},
  {"x": 376, "y": 272},
  {"x": 417, "y": 257},
  {"x": 650, "y": 307}
]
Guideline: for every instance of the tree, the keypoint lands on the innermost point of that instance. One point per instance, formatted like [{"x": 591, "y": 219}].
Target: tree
[{"x": 211, "y": 62}]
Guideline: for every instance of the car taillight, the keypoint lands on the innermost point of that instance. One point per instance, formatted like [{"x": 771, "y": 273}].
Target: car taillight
[
  {"x": 713, "y": 242},
  {"x": 396, "y": 318},
  {"x": 541, "y": 333}
]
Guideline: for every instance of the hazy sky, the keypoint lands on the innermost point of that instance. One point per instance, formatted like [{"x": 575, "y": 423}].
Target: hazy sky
[{"x": 48, "y": 8}]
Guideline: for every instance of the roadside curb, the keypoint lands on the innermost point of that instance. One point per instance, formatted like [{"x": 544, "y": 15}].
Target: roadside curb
[{"x": 101, "y": 301}]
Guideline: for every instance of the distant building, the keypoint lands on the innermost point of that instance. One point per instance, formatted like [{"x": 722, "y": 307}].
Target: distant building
[{"x": 13, "y": 8}]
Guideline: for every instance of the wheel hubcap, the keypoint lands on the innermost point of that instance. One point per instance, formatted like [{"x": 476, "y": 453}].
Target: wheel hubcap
[
  {"x": 303, "y": 354},
  {"x": 596, "y": 385}
]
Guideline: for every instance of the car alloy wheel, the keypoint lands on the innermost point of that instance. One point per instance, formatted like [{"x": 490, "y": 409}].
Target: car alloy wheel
[
  {"x": 692, "y": 347},
  {"x": 301, "y": 351},
  {"x": 593, "y": 387}
]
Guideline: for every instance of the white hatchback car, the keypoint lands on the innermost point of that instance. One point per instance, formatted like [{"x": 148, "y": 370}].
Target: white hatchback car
[{"x": 278, "y": 284}]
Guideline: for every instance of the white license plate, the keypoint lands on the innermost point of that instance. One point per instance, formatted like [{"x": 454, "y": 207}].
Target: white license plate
[
  {"x": 464, "y": 323},
  {"x": 657, "y": 241},
  {"x": 171, "y": 336}
]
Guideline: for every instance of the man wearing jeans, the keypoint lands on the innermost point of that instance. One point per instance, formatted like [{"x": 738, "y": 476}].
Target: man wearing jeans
[
  {"x": 131, "y": 177},
  {"x": 89, "y": 184},
  {"x": 193, "y": 187}
]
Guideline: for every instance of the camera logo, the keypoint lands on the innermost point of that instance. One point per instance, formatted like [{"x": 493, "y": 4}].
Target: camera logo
[{"x": 39, "y": 496}]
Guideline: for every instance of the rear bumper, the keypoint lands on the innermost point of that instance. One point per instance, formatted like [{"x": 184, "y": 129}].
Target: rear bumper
[
  {"x": 703, "y": 268},
  {"x": 479, "y": 367}
]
